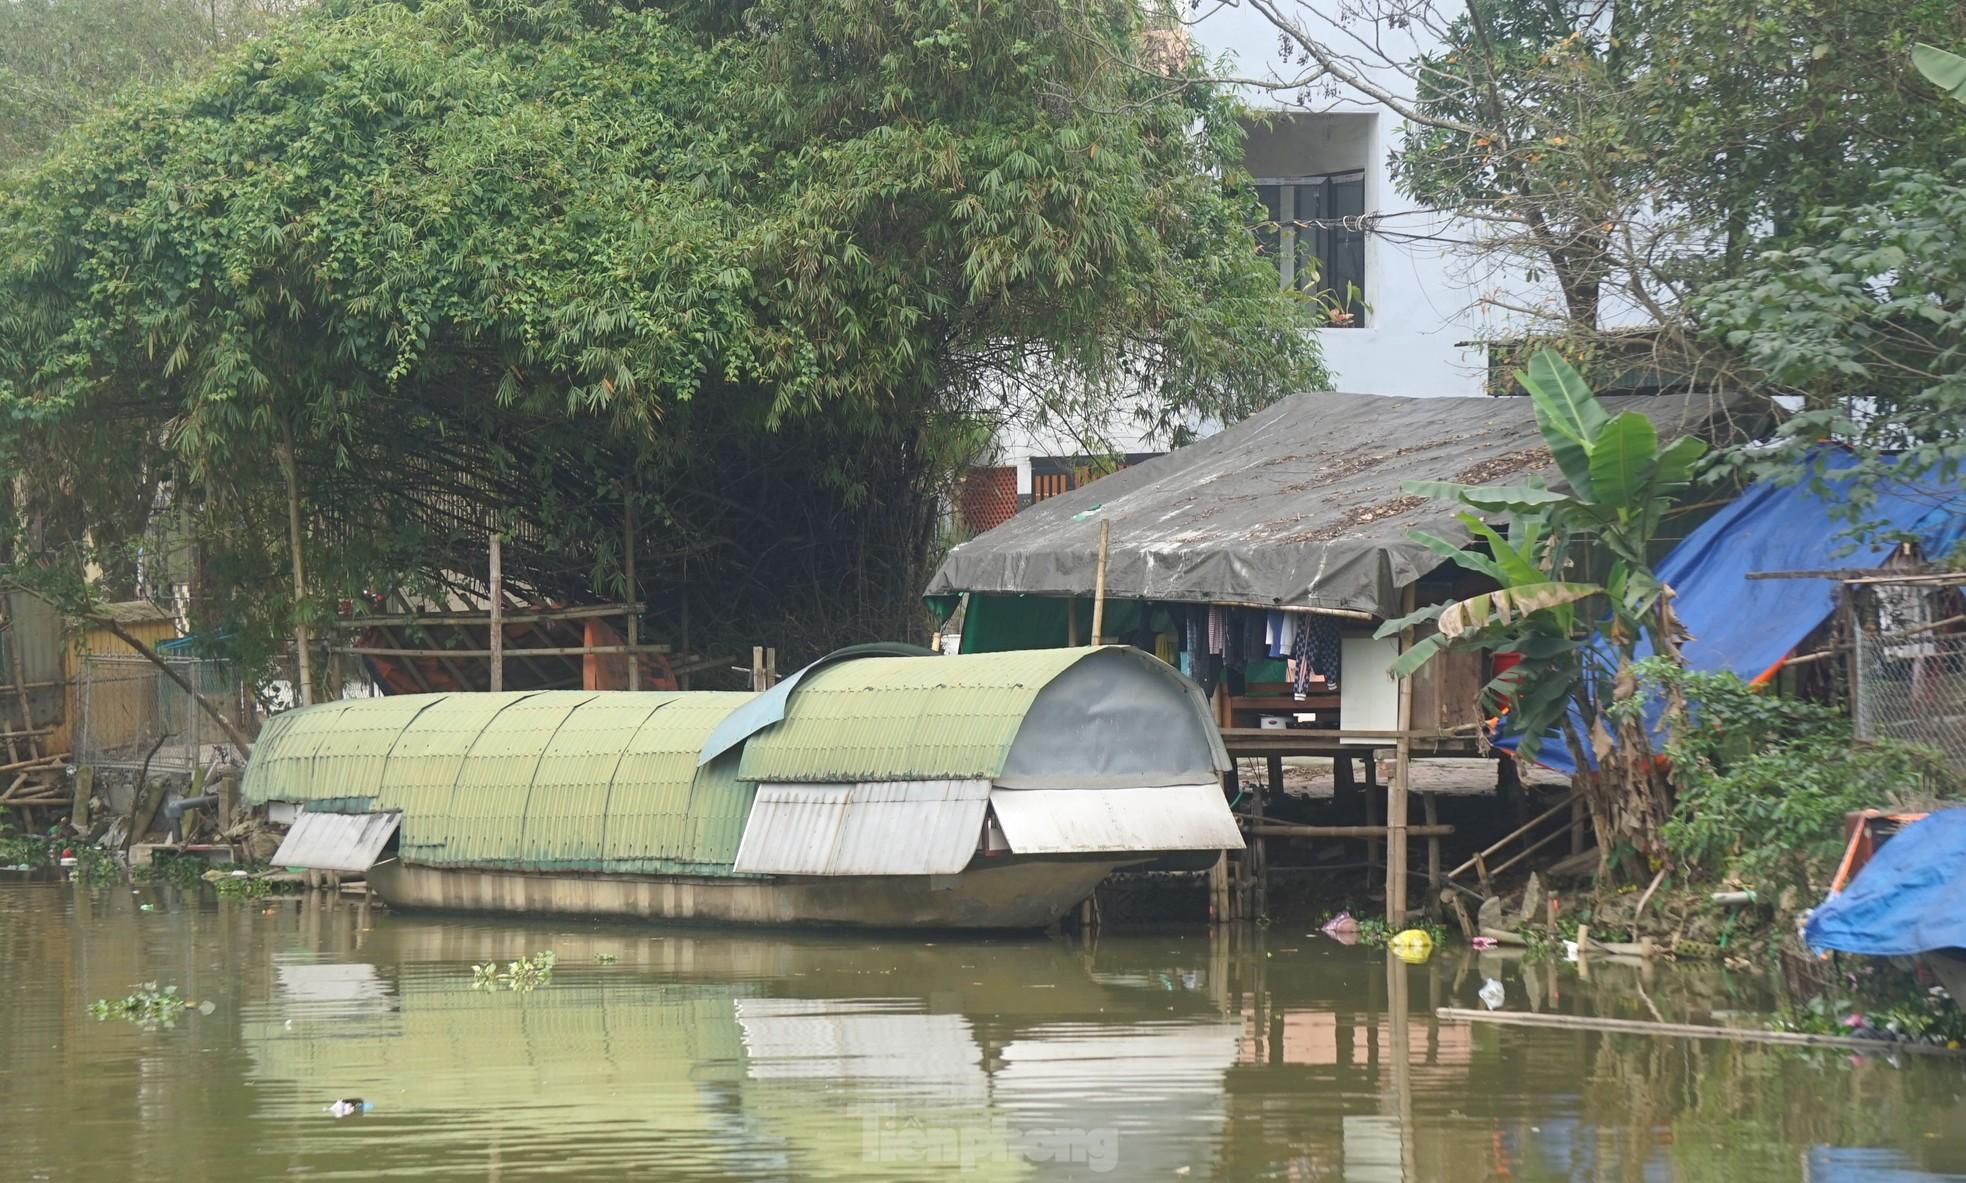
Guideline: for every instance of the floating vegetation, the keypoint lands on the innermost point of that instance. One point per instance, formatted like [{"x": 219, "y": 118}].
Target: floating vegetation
[
  {"x": 178, "y": 870},
  {"x": 149, "y": 1006},
  {"x": 523, "y": 974}
]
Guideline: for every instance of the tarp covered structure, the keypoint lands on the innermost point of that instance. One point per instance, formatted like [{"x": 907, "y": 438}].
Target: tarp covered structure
[
  {"x": 1909, "y": 898},
  {"x": 1301, "y": 505},
  {"x": 1747, "y": 626}
]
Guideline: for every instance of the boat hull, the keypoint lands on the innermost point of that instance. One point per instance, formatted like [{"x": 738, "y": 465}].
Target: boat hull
[{"x": 1011, "y": 894}]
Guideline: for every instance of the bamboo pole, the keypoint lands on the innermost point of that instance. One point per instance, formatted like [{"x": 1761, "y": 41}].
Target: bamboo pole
[
  {"x": 1099, "y": 584},
  {"x": 497, "y": 611},
  {"x": 305, "y": 690},
  {"x": 1514, "y": 1018},
  {"x": 634, "y": 592},
  {"x": 1514, "y": 834}
]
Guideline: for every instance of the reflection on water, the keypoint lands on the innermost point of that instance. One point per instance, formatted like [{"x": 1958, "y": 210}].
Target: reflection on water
[{"x": 700, "y": 1054}]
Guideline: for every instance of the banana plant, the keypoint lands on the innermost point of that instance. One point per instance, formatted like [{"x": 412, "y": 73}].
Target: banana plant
[
  {"x": 1576, "y": 637},
  {"x": 1941, "y": 68}
]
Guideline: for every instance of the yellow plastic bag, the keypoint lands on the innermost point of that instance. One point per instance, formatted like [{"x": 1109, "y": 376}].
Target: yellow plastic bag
[{"x": 1411, "y": 946}]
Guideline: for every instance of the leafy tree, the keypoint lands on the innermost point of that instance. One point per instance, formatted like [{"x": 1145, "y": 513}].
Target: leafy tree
[
  {"x": 409, "y": 272},
  {"x": 1628, "y": 153},
  {"x": 1764, "y": 780},
  {"x": 61, "y": 60},
  {"x": 1862, "y": 315},
  {"x": 1578, "y": 639}
]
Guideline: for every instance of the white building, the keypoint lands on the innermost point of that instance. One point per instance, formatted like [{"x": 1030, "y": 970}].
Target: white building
[{"x": 1413, "y": 295}]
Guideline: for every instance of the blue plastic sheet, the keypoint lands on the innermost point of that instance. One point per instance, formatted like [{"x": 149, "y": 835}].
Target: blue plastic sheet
[
  {"x": 1746, "y": 625},
  {"x": 1910, "y": 898}
]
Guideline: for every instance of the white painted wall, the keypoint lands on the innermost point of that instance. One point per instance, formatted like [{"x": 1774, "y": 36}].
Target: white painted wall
[{"x": 1424, "y": 289}]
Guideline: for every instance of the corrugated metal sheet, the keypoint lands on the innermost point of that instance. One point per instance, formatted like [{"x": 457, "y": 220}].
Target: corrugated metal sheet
[
  {"x": 38, "y": 638},
  {"x": 557, "y": 779},
  {"x": 904, "y": 718},
  {"x": 566, "y": 815},
  {"x": 495, "y": 778},
  {"x": 928, "y": 827},
  {"x": 1072, "y": 821},
  {"x": 336, "y": 841},
  {"x": 664, "y": 813}
]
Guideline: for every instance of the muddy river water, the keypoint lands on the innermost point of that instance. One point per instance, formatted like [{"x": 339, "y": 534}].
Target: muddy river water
[{"x": 700, "y": 1054}]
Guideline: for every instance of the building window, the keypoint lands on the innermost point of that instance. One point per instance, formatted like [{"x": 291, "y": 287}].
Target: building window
[{"x": 1316, "y": 232}]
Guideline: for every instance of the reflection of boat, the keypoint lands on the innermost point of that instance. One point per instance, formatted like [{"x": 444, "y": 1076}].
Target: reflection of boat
[
  {"x": 863, "y": 1061},
  {"x": 988, "y": 790}
]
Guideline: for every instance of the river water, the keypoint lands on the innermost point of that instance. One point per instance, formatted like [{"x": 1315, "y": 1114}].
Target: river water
[{"x": 700, "y": 1054}]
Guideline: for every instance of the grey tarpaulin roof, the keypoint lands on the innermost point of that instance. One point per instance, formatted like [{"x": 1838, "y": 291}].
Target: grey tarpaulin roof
[{"x": 1301, "y": 504}]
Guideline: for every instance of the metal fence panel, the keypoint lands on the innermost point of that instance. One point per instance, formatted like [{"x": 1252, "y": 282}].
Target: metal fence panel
[
  {"x": 1911, "y": 686},
  {"x": 126, "y": 704}
]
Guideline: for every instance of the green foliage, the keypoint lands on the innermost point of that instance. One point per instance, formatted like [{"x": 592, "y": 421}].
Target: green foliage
[
  {"x": 1765, "y": 780},
  {"x": 487, "y": 261},
  {"x": 1576, "y": 639},
  {"x": 148, "y": 1006},
  {"x": 32, "y": 851},
  {"x": 1942, "y": 68},
  {"x": 1863, "y": 315},
  {"x": 60, "y": 60},
  {"x": 96, "y": 867},
  {"x": 524, "y": 974},
  {"x": 1655, "y": 146},
  {"x": 177, "y": 870}
]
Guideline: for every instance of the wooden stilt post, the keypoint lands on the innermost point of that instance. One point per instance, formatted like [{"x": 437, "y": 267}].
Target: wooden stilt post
[
  {"x": 1430, "y": 802},
  {"x": 1374, "y": 805},
  {"x": 1099, "y": 585},
  {"x": 634, "y": 595},
  {"x": 497, "y": 646},
  {"x": 1396, "y": 806}
]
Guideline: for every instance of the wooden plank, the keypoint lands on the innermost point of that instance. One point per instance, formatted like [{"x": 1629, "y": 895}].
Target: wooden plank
[
  {"x": 1290, "y": 830},
  {"x": 1516, "y": 1018},
  {"x": 448, "y": 619},
  {"x": 555, "y": 651}
]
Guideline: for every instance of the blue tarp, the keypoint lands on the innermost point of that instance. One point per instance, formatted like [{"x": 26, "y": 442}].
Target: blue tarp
[
  {"x": 1746, "y": 625},
  {"x": 1910, "y": 898}
]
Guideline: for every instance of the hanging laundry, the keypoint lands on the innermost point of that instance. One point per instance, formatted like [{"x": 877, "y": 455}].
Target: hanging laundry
[
  {"x": 1300, "y": 661},
  {"x": 1283, "y": 633},
  {"x": 1218, "y": 630},
  {"x": 1327, "y": 648},
  {"x": 1194, "y": 627},
  {"x": 1167, "y": 647}
]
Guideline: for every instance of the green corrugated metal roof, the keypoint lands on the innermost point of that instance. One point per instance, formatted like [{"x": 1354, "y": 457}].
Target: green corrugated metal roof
[
  {"x": 554, "y": 779},
  {"x": 905, "y": 718}
]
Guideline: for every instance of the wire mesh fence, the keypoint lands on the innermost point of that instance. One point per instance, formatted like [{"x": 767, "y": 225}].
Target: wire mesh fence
[
  {"x": 1911, "y": 676},
  {"x": 126, "y": 705}
]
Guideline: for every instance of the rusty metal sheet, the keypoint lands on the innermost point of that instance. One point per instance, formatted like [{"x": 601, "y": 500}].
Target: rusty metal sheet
[
  {"x": 927, "y": 827},
  {"x": 349, "y": 842},
  {"x": 1144, "y": 820}
]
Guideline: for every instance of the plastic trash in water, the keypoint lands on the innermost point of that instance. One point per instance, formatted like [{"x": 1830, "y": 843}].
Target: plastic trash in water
[
  {"x": 349, "y": 1107},
  {"x": 1411, "y": 946},
  {"x": 1570, "y": 950},
  {"x": 1491, "y": 994},
  {"x": 1341, "y": 928},
  {"x": 1485, "y": 943}
]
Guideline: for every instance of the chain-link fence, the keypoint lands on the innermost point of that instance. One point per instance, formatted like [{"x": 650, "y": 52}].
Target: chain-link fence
[
  {"x": 1911, "y": 670},
  {"x": 125, "y": 704}
]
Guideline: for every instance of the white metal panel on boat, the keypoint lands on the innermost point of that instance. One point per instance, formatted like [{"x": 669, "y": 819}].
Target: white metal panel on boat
[
  {"x": 909, "y": 827},
  {"x": 1072, "y": 821},
  {"x": 336, "y": 841}
]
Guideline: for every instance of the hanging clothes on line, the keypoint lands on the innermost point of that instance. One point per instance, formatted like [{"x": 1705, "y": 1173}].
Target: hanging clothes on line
[{"x": 1326, "y": 649}]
